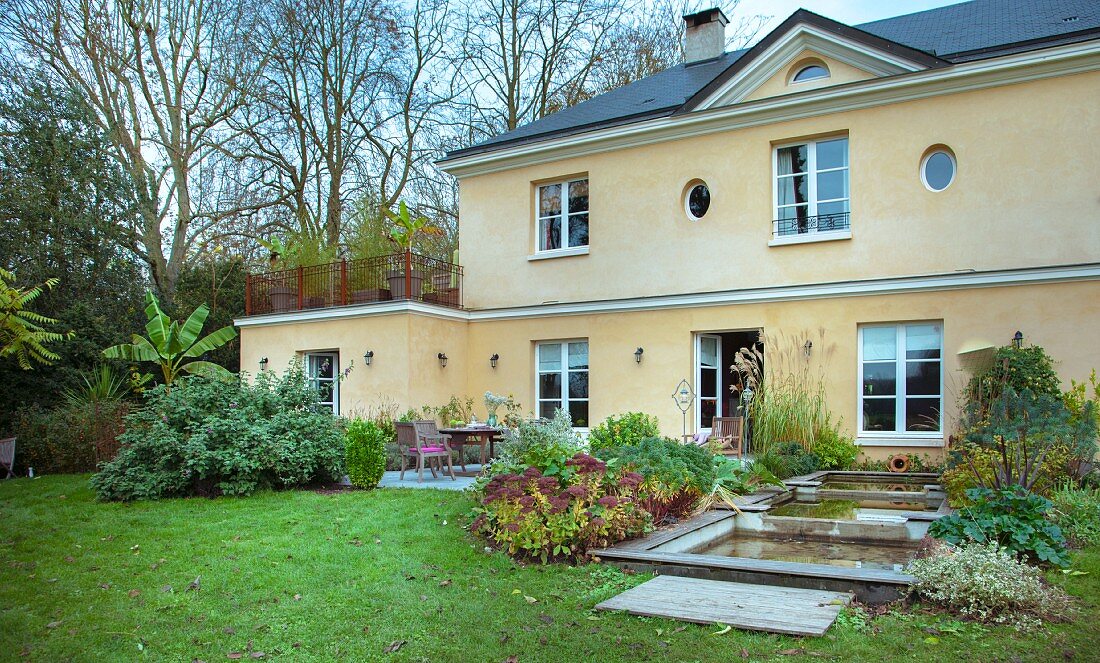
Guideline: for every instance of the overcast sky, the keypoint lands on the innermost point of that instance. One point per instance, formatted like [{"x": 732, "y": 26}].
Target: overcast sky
[{"x": 845, "y": 11}]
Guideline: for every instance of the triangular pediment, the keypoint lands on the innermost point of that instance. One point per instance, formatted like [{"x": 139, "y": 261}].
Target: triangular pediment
[{"x": 848, "y": 54}]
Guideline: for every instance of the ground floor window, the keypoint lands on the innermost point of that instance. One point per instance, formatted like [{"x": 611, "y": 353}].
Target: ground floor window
[
  {"x": 323, "y": 370},
  {"x": 901, "y": 378},
  {"x": 562, "y": 380}
]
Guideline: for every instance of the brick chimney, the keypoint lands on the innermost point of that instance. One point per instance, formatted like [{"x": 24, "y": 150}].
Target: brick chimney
[{"x": 704, "y": 35}]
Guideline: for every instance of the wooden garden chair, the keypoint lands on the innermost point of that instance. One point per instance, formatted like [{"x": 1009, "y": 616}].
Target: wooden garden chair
[
  {"x": 7, "y": 456},
  {"x": 727, "y": 433},
  {"x": 422, "y": 440}
]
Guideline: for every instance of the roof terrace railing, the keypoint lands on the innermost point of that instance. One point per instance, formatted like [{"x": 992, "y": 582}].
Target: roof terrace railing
[{"x": 400, "y": 276}]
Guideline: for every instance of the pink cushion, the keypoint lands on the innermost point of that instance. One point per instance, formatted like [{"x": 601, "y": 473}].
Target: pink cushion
[{"x": 426, "y": 450}]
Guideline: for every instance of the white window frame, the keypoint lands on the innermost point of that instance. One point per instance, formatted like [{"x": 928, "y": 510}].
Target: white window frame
[
  {"x": 564, "y": 214},
  {"x": 699, "y": 381},
  {"x": 315, "y": 381},
  {"x": 811, "y": 192},
  {"x": 564, "y": 372},
  {"x": 900, "y": 394},
  {"x": 924, "y": 165}
]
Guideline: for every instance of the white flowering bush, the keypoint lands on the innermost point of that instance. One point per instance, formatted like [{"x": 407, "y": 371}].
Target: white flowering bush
[{"x": 985, "y": 582}]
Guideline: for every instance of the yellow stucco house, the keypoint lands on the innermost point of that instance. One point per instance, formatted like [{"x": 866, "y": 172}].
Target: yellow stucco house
[{"x": 883, "y": 202}]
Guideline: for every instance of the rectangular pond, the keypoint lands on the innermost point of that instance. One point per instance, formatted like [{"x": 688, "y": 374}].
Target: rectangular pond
[{"x": 843, "y": 531}]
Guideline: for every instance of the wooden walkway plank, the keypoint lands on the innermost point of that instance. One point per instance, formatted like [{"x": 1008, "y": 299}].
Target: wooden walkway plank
[{"x": 753, "y": 607}]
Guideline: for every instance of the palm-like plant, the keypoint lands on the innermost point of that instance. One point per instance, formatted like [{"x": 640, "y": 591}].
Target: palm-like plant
[
  {"x": 22, "y": 334},
  {"x": 174, "y": 345},
  {"x": 407, "y": 227}
]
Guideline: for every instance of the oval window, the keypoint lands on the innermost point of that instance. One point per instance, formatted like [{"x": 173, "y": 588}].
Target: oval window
[
  {"x": 938, "y": 170},
  {"x": 697, "y": 201},
  {"x": 810, "y": 73}
]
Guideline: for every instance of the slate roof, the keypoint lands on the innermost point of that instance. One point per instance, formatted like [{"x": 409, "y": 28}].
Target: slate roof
[{"x": 955, "y": 33}]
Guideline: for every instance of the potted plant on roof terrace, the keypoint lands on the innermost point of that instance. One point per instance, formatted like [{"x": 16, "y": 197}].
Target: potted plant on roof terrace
[{"x": 405, "y": 231}]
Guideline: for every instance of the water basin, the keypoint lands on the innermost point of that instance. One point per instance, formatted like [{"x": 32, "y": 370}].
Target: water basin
[
  {"x": 833, "y": 553},
  {"x": 877, "y": 486},
  {"x": 841, "y": 509}
]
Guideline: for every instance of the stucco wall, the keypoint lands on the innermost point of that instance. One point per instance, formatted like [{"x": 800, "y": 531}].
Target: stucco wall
[
  {"x": 1025, "y": 195},
  {"x": 1060, "y": 317},
  {"x": 778, "y": 84}
]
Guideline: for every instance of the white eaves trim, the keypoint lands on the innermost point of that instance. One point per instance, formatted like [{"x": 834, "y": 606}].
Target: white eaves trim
[
  {"x": 865, "y": 288},
  {"x": 1009, "y": 69},
  {"x": 782, "y": 53}
]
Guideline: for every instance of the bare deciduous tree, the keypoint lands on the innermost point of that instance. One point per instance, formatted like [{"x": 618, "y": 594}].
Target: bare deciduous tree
[{"x": 163, "y": 78}]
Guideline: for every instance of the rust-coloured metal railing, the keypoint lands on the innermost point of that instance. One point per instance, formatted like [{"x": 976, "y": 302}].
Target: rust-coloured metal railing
[{"x": 398, "y": 276}]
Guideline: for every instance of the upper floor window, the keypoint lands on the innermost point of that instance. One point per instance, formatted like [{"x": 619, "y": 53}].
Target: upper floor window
[
  {"x": 323, "y": 371},
  {"x": 811, "y": 73},
  {"x": 562, "y": 381},
  {"x": 901, "y": 378},
  {"x": 563, "y": 215},
  {"x": 811, "y": 187}
]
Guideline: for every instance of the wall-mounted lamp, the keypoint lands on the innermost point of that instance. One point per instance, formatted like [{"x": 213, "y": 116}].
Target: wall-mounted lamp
[
  {"x": 263, "y": 363},
  {"x": 638, "y": 355},
  {"x": 368, "y": 356},
  {"x": 493, "y": 359},
  {"x": 442, "y": 359},
  {"x": 1018, "y": 339},
  {"x": 807, "y": 347}
]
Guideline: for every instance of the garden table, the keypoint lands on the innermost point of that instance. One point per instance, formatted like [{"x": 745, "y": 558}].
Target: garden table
[{"x": 479, "y": 435}]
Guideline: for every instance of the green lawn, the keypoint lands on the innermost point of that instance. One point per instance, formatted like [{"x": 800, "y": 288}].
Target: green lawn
[{"x": 305, "y": 576}]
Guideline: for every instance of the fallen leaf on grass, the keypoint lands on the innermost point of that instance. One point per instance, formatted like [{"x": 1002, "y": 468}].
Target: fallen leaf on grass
[
  {"x": 54, "y": 624},
  {"x": 394, "y": 646},
  {"x": 744, "y": 653},
  {"x": 723, "y": 631},
  {"x": 512, "y": 659},
  {"x": 445, "y": 583},
  {"x": 194, "y": 584},
  {"x": 792, "y": 652},
  {"x": 530, "y": 599},
  {"x": 297, "y": 597},
  {"x": 166, "y": 588},
  {"x": 932, "y": 640},
  {"x": 235, "y": 655},
  {"x": 105, "y": 585},
  {"x": 133, "y": 593},
  {"x": 258, "y": 654}
]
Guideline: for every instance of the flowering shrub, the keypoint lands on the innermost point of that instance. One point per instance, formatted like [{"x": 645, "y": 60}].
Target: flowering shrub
[
  {"x": 986, "y": 582},
  {"x": 675, "y": 476},
  {"x": 624, "y": 429},
  {"x": 211, "y": 437},
  {"x": 1012, "y": 518},
  {"x": 585, "y": 506}
]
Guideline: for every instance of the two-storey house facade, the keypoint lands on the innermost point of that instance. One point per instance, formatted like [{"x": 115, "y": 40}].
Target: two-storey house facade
[{"x": 880, "y": 205}]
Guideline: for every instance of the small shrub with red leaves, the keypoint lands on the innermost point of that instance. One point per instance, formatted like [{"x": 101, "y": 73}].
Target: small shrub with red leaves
[{"x": 583, "y": 506}]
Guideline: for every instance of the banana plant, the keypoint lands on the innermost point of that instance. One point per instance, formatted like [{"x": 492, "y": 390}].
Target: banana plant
[
  {"x": 407, "y": 227},
  {"x": 174, "y": 345}
]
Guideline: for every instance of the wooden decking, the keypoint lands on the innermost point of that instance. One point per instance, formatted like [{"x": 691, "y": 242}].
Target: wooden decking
[{"x": 752, "y": 607}]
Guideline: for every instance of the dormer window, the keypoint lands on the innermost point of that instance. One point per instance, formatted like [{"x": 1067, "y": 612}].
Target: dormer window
[{"x": 811, "y": 72}]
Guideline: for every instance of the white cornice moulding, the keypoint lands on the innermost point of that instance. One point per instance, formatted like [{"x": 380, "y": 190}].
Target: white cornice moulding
[
  {"x": 865, "y": 288},
  {"x": 1005, "y": 70},
  {"x": 782, "y": 53}
]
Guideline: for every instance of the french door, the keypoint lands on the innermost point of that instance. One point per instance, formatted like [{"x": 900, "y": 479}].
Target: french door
[{"x": 708, "y": 380}]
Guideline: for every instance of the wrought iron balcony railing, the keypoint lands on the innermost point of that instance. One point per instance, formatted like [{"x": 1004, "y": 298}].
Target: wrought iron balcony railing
[
  {"x": 810, "y": 224},
  {"x": 399, "y": 276}
]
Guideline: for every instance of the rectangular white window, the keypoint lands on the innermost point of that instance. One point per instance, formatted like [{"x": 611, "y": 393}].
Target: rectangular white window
[
  {"x": 323, "y": 372},
  {"x": 562, "y": 215},
  {"x": 901, "y": 378},
  {"x": 562, "y": 380},
  {"x": 811, "y": 187}
]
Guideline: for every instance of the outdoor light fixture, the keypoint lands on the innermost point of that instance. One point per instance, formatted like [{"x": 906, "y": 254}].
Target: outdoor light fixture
[
  {"x": 807, "y": 347},
  {"x": 368, "y": 356},
  {"x": 442, "y": 359},
  {"x": 263, "y": 363},
  {"x": 684, "y": 397},
  {"x": 1018, "y": 339},
  {"x": 638, "y": 355},
  {"x": 493, "y": 359}
]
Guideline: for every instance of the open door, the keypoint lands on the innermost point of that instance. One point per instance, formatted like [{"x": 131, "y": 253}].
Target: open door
[{"x": 708, "y": 379}]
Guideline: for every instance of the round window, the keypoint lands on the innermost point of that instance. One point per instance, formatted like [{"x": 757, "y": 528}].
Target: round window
[
  {"x": 810, "y": 73},
  {"x": 937, "y": 171},
  {"x": 697, "y": 201}
]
